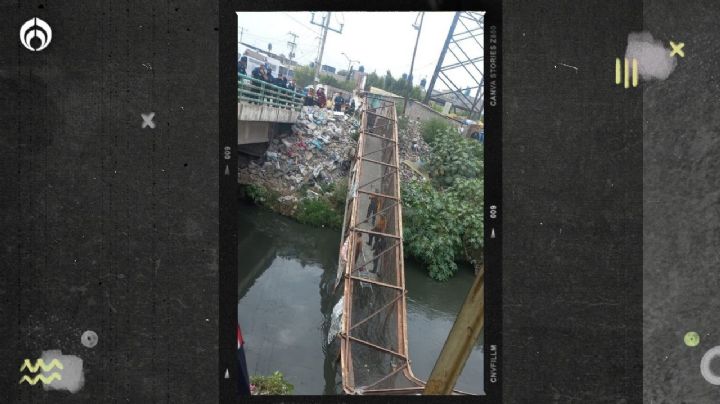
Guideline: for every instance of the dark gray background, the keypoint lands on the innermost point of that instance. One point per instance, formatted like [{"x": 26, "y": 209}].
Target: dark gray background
[
  {"x": 107, "y": 226},
  {"x": 572, "y": 193},
  {"x": 114, "y": 228},
  {"x": 681, "y": 228}
]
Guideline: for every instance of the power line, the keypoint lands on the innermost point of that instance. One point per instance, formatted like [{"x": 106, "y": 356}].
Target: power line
[
  {"x": 301, "y": 23},
  {"x": 325, "y": 27}
]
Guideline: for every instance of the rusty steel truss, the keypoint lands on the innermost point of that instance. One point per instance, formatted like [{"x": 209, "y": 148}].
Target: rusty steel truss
[{"x": 373, "y": 338}]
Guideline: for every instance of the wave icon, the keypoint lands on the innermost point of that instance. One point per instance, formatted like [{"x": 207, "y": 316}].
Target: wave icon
[
  {"x": 27, "y": 364},
  {"x": 46, "y": 380}
]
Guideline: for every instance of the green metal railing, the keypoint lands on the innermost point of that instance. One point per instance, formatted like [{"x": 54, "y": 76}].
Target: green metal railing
[{"x": 256, "y": 91}]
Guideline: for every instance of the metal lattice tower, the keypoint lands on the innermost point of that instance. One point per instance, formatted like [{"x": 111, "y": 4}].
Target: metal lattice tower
[{"x": 464, "y": 44}]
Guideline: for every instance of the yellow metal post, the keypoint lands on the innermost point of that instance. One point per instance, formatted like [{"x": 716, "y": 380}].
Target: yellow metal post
[{"x": 459, "y": 343}]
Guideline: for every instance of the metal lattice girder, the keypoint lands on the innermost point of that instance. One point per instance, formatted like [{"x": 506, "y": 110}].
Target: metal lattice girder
[
  {"x": 373, "y": 338},
  {"x": 460, "y": 62}
]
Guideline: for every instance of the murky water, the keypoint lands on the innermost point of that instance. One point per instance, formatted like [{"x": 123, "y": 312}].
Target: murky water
[{"x": 286, "y": 275}]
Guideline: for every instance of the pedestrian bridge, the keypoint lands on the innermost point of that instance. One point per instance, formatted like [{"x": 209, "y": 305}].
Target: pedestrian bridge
[
  {"x": 373, "y": 337},
  {"x": 260, "y": 104}
]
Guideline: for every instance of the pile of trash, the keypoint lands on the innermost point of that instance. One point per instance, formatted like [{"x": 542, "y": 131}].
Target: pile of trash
[
  {"x": 319, "y": 150},
  {"x": 413, "y": 149}
]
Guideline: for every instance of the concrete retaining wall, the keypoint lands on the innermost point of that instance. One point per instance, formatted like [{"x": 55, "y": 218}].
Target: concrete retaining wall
[
  {"x": 422, "y": 113},
  {"x": 264, "y": 113}
]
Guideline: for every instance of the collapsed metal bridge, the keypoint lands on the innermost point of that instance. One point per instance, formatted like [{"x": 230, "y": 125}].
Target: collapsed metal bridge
[{"x": 373, "y": 337}]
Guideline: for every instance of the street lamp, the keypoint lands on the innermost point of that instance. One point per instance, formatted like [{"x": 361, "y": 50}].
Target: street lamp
[{"x": 350, "y": 62}]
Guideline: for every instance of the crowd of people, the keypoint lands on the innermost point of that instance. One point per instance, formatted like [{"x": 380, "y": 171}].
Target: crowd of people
[
  {"x": 313, "y": 98},
  {"x": 264, "y": 73},
  {"x": 310, "y": 96}
]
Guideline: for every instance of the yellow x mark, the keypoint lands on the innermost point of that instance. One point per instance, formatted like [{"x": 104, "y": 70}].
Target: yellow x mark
[{"x": 677, "y": 48}]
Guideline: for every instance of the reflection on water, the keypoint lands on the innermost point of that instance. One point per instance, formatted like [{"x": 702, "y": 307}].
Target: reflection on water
[{"x": 287, "y": 271}]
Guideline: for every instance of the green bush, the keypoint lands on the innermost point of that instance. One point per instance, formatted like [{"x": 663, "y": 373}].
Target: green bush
[
  {"x": 430, "y": 129},
  {"x": 318, "y": 212},
  {"x": 258, "y": 194},
  {"x": 274, "y": 384},
  {"x": 339, "y": 196},
  {"x": 453, "y": 157},
  {"x": 440, "y": 226}
]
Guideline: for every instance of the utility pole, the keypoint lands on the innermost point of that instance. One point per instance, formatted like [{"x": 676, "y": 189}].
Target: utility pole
[
  {"x": 350, "y": 62},
  {"x": 325, "y": 27},
  {"x": 242, "y": 29},
  {"x": 412, "y": 63},
  {"x": 292, "y": 45},
  {"x": 463, "y": 335}
]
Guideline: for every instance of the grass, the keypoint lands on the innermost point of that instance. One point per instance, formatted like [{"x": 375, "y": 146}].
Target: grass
[{"x": 318, "y": 212}]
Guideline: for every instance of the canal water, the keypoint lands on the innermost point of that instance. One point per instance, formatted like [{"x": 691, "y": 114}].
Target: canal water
[{"x": 286, "y": 274}]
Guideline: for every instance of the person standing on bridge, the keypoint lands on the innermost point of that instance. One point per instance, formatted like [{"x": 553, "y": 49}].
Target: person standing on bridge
[
  {"x": 378, "y": 248},
  {"x": 372, "y": 208},
  {"x": 259, "y": 75},
  {"x": 242, "y": 66}
]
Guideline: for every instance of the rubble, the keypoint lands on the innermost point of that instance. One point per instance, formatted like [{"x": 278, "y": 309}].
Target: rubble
[
  {"x": 412, "y": 148},
  {"x": 319, "y": 150}
]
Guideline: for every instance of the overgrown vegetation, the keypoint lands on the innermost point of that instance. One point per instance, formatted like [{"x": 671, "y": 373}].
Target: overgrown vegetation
[
  {"x": 261, "y": 195},
  {"x": 274, "y": 384},
  {"x": 393, "y": 85},
  {"x": 431, "y": 128},
  {"x": 443, "y": 218},
  {"x": 318, "y": 212},
  {"x": 305, "y": 76},
  {"x": 454, "y": 157}
]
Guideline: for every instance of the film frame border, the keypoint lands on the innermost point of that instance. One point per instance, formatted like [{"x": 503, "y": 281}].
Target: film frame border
[{"x": 228, "y": 228}]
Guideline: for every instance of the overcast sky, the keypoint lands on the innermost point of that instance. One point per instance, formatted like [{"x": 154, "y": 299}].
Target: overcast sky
[{"x": 380, "y": 41}]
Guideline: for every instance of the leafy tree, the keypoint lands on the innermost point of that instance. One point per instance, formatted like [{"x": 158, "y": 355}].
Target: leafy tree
[
  {"x": 454, "y": 157},
  {"x": 304, "y": 76},
  {"x": 389, "y": 82},
  {"x": 442, "y": 227},
  {"x": 443, "y": 218}
]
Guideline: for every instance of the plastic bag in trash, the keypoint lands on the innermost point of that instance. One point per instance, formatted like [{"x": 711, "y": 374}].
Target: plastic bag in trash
[{"x": 336, "y": 320}]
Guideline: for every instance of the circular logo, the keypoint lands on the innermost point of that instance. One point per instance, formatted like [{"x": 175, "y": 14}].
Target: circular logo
[
  {"x": 35, "y": 34},
  {"x": 692, "y": 339}
]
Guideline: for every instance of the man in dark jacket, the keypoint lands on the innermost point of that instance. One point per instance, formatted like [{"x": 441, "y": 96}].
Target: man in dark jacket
[
  {"x": 339, "y": 101},
  {"x": 242, "y": 66},
  {"x": 258, "y": 73}
]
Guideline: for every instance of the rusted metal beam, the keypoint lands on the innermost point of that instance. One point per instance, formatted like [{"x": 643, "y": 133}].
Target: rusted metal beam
[
  {"x": 460, "y": 341},
  {"x": 387, "y": 285},
  {"x": 379, "y": 348}
]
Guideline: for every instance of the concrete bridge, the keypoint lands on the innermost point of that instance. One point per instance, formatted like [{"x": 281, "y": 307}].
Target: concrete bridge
[{"x": 260, "y": 105}]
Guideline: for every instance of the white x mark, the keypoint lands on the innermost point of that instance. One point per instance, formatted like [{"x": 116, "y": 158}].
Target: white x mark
[{"x": 148, "y": 120}]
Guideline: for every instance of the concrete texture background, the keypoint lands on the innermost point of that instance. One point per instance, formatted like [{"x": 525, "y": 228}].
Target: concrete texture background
[
  {"x": 107, "y": 226},
  {"x": 681, "y": 228},
  {"x": 572, "y": 194}
]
